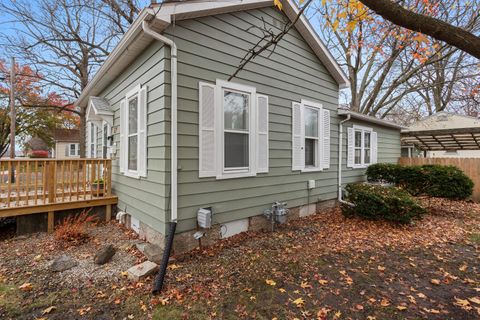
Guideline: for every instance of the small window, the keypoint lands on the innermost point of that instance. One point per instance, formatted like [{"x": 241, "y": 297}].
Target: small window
[
  {"x": 74, "y": 150},
  {"x": 362, "y": 146}
]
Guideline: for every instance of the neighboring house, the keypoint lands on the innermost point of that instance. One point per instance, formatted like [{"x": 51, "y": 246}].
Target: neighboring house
[
  {"x": 270, "y": 134},
  {"x": 443, "y": 135},
  {"x": 66, "y": 144}
]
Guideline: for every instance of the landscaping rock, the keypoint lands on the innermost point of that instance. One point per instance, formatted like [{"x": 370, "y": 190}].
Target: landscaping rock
[
  {"x": 153, "y": 253},
  {"x": 105, "y": 254},
  {"x": 142, "y": 270},
  {"x": 62, "y": 263}
]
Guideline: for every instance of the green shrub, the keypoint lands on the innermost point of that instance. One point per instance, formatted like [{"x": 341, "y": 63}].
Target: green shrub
[
  {"x": 432, "y": 180},
  {"x": 383, "y": 172},
  {"x": 376, "y": 202}
]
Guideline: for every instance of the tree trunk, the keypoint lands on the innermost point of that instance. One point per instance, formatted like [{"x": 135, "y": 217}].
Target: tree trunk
[{"x": 438, "y": 29}]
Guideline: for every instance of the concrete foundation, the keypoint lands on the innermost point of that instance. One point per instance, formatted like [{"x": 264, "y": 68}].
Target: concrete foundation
[{"x": 185, "y": 241}]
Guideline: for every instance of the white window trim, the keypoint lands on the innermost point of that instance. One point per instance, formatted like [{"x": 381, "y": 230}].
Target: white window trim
[
  {"x": 77, "y": 149},
  {"x": 223, "y": 173},
  {"x": 109, "y": 132},
  {"x": 362, "y": 129},
  {"x": 135, "y": 92},
  {"x": 318, "y": 159}
]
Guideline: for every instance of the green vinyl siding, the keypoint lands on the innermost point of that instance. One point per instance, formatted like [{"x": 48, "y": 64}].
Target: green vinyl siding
[
  {"x": 143, "y": 198},
  {"x": 211, "y": 48}
]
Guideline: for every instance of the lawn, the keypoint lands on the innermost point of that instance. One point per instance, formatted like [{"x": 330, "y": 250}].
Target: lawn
[{"x": 319, "y": 267}]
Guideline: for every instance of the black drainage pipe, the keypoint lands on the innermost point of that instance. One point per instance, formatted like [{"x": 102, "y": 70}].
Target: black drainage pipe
[{"x": 158, "y": 284}]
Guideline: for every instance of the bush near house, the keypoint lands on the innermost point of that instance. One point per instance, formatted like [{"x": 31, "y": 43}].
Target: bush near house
[
  {"x": 376, "y": 202},
  {"x": 431, "y": 180}
]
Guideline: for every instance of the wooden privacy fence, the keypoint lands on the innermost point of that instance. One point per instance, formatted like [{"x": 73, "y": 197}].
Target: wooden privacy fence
[
  {"x": 30, "y": 186},
  {"x": 470, "y": 166}
]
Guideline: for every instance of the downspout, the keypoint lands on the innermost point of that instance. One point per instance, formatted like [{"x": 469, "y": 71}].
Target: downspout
[
  {"x": 158, "y": 284},
  {"x": 340, "y": 156}
]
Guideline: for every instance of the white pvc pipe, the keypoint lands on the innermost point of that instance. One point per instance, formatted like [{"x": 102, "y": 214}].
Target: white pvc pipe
[
  {"x": 173, "y": 156},
  {"x": 340, "y": 156}
]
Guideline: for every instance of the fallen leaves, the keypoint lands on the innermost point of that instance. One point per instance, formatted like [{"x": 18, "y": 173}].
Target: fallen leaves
[
  {"x": 48, "y": 310},
  {"x": 299, "y": 302},
  {"x": 270, "y": 282},
  {"x": 435, "y": 281},
  {"x": 27, "y": 286}
]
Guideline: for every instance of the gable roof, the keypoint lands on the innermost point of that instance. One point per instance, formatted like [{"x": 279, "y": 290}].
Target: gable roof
[
  {"x": 66, "y": 135},
  {"x": 160, "y": 16},
  {"x": 367, "y": 118},
  {"x": 445, "y": 120}
]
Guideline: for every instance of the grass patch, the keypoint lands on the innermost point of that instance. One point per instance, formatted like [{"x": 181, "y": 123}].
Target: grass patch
[
  {"x": 10, "y": 300},
  {"x": 475, "y": 237}
]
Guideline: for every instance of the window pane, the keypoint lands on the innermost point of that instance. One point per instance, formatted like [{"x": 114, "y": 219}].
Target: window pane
[
  {"x": 310, "y": 152},
  {"x": 132, "y": 115},
  {"x": 73, "y": 149},
  {"x": 311, "y": 122},
  {"x": 358, "y": 156},
  {"x": 92, "y": 151},
  {"x": 367, "y": 139},
  {"x": 358, "y": 139},
  {"x": 236, "y": 150},
  {"x": 236, "y": 110},
  {"x": 132, "y": 153},
  {"x": 367, "y": 156}
]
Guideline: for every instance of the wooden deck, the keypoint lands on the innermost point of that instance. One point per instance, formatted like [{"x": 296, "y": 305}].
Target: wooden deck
[{"x": 29, "y": 186}]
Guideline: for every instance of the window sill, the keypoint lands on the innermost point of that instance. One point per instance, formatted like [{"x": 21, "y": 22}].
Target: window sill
[
  {"x": 131, "y": 175},
  {"x": 311, "y": 169},
  {"x": 234, "y": 175}
]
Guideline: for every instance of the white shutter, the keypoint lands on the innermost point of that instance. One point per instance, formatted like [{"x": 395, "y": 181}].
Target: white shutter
[
  {"x": 374, "y": 146},
  {"x": 262, "y": 133},
  {"x": 142, "y": 132},
  {"x": 298, "y": 141},
  {"x": 350, "y": 147},
  {"x": 326, "y": 139},
  {"x": 206, "y": 134},
  {"x": 122, "y": 151}
]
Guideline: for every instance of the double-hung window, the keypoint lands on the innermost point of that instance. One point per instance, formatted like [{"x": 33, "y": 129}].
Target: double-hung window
[
  {"x": 133, "y": 135},
  {"x": 233, "y": 130},
  {"x": 236, "y": 130},
  {"x": 362, "y": 147},
  {"x": 311, "y": 136}
]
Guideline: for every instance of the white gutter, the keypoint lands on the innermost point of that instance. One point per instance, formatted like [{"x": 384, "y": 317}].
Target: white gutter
[
  {"x": 340, "y": 155},
  {"x": 173, "y": 156}
]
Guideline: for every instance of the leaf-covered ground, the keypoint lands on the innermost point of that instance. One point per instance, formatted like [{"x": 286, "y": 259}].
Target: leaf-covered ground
[{"x": 320, "y": 267}]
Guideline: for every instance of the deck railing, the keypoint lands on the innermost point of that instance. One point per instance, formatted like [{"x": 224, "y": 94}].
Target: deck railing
[{"x": 31, "y": 182}]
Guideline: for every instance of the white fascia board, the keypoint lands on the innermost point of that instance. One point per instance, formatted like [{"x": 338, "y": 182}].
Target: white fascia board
[{"x": 363, "y": 117}]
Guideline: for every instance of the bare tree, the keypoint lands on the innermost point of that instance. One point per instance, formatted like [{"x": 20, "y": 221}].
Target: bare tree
[{"x": 65, "y": 40}]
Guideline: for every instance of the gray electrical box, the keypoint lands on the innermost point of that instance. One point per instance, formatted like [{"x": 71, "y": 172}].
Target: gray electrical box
[{"x": 204, "y": 218}]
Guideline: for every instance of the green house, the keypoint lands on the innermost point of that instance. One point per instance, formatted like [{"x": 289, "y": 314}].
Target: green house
[{"x": 182, "y": 137}]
